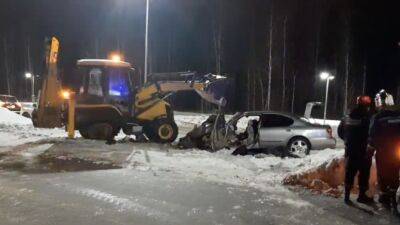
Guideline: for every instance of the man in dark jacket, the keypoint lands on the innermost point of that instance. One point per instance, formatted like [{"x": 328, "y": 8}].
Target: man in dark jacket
[
  {"x": 353, "y": 129},
  {"x": 385, "y": 140}
]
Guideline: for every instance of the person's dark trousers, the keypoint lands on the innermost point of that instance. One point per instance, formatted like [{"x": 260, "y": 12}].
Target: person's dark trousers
[
  {"x": 388, "y": 167},
  {"x": 362, "y": 165}
]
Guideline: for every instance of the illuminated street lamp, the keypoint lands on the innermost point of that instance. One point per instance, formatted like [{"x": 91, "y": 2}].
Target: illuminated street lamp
[
  {"x": 30, "y": 76},
  {"x": 328, "y": 77}
]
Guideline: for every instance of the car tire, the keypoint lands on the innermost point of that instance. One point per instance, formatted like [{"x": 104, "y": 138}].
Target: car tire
[
  {"x": 162, "y": 131},
  {"x": 298, "y": 147}
]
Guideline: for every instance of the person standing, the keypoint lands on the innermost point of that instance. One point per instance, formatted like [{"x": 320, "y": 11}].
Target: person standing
[
  {"x": 384, "y": 139},
  {"x": 353, "y": 129}
]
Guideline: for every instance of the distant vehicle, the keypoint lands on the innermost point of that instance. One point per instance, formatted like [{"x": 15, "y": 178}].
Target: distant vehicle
[
  {"x": 11, "y": 103},
  {"x": 275, "y": 129}
]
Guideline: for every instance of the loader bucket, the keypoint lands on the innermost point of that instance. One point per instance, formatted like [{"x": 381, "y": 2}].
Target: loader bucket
[{"x": 215, "y": 91}]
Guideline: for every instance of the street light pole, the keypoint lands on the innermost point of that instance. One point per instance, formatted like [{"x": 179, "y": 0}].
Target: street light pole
[
  {"x": 326, "y": 99},
  {"x": 33, "y": 88},
  {"x": 328, "y": 77},
  {"x": 32, "y": 78},
  {"x": 146, "y": 42}
]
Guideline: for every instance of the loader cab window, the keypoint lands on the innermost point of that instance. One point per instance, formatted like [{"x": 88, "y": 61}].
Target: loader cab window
[
  {"x": 119, "y": 83},
  {"x": 94, "y": 84}
]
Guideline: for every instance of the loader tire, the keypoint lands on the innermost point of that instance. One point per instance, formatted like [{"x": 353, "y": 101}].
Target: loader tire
[
  {"x": 162, "y": 131},
  {"x": 116, "y": 131},
  {"x": 101, "y": 131},
  {"x": 84, "y": 133}
]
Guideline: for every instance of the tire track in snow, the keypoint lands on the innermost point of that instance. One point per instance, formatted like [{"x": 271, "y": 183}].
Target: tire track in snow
[{"x": 122, "y": 204}]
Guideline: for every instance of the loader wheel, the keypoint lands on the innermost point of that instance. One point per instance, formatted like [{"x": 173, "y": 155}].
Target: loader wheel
[
  {"x": 84, "y": 133},
  {"x": 116, "y": 130},
  {"x": 101, "y": 131},
  {"x": 162, "y": 131}
]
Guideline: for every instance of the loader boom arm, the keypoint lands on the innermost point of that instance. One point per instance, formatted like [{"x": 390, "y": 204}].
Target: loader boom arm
[
  {"x": 48, "y": 112},
  {"x": 162, "y": 88}
]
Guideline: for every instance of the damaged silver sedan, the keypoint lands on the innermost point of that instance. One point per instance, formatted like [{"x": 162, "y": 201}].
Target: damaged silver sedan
[
  {"x": 273, "y": 130},
  {"x": 261, "y": 131}
]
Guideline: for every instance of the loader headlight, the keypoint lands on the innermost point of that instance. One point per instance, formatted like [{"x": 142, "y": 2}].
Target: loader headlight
[
  {"x": 66, "y": 94},
  {"x": 398, "y": 152}
]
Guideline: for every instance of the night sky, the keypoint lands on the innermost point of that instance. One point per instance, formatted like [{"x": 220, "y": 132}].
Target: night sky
[{"x": 182, "y": 37}]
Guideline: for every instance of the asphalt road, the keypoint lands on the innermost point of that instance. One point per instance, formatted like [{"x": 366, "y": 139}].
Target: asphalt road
[{"x": 127, "y": 196}]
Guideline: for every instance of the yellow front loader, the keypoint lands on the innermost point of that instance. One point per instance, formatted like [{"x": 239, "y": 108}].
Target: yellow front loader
[{"x": 108, "y": 101}]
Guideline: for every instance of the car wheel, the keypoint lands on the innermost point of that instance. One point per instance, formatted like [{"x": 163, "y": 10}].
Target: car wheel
[{"x": 299, "y": 147}]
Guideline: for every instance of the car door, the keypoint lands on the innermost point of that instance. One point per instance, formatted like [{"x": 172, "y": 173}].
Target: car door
[{"x": 275, "y": 130}]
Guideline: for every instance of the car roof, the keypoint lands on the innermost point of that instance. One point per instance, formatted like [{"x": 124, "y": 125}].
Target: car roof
[
  {"x": 258, "y": 113},
  {"x": 103, "y": 62}
]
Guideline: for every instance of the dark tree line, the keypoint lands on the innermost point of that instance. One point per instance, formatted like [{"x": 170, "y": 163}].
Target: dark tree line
[{"x": 273, "y": 50}]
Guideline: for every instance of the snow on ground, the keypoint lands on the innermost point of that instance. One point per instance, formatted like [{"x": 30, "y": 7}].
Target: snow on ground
[
  {"x": 17, "y": 130},
  {"x": 263, "y": 172},
  {"x": 9, "y": 118}
]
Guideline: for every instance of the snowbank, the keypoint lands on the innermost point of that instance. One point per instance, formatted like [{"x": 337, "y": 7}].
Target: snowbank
[
  {"x": 263, "y": 172},
  {"x": 10, "y": 118},
  {"x": 17, "y": 130}
]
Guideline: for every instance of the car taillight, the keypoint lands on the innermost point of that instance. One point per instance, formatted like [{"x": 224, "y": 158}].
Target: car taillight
[{"x": 329, "y": 131}]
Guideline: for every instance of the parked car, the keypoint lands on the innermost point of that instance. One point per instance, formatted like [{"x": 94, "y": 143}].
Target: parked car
[
  {"x": 274, "y": 129},
  {"x": 11, "y": 103}
]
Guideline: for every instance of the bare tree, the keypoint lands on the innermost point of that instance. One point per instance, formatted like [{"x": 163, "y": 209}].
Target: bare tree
[
  {"x": 248, "y": 89},
  {"x": 346, "y": 82},
  {"x": 284, "y": 65},
  {"x": 6, "y": 65},
  {"x": 254, "y": 91},
  {"x": 262, "y": 90},
  {"x": 293, "y": 92},
  {"x": 217, "y": 40},
  {"x": 364, "y": 81},
  {"x": 268, "y": 103},
  {"x": 29, "y": 65}
]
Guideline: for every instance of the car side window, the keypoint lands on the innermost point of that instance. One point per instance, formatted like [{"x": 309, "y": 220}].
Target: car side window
[{"x": 274, "y": 120}]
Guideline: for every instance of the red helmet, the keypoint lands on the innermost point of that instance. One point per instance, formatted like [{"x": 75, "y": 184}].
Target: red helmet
[{"x": 364, "y": 100}]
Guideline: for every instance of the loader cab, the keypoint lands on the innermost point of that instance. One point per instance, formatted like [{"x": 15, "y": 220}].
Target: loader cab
[{"x": 106, "y": 82}]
